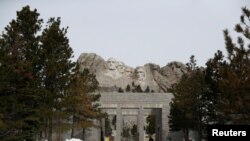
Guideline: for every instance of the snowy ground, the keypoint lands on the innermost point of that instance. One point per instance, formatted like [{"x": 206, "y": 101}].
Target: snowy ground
[{"x": 73, "y": 139}]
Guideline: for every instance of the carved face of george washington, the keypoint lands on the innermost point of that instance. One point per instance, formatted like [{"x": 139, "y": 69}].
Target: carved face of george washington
[{"x": 111, "y": 64}]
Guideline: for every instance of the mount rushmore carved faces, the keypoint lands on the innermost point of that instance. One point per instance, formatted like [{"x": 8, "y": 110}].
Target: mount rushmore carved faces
[
  {"x": 114, "y": 65},
  {"x": 111, "y": 64},
  {"x": 140, "y": 73},
  {"x": 111, "y": 72}
]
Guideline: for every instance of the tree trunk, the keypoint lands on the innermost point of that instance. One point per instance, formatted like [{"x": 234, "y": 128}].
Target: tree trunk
[
  {"x": 46, "y": 129},
  {"x": 40, "y": 135},
  {"x": 46, "y": 133},
  {"x": 83, "y": 132},
  {"x": 50, "y": 130},
  {"x": 186, "y": 135},
  {"x": 200, "y": 135},
  {"x": 200, "y": 127},
  {"x": 73, "y": 127},
  {"x": 58, "y": 130}
]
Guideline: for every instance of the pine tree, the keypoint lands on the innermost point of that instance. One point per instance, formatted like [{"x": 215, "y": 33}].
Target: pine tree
[
  {"x": 56, "y": 73},
  {"x": 212, "y": 76},
  {"x": 120, "y": 90},
  {"x": 108, "y": 129},
  {"x": 191, "y": 101},
  {"x": 147, "y": 90},
  {"x": 232, "y": 77},
  {"x": 138, "y": 89},
  {"x": 81, "y": 100},
  {"x": 128, "y": 89},
  {"x": 179, "y": 116},
  {"x": 126, "y": 131},
  {"x": 177, "y": 119},
  {"x": 114, "y": 121},
  {"x": 150, "y": 129},
  {"x": 19, "y": 70},
  {"x": 134, "y": 130},
  {"x": 36, "y": 84}
]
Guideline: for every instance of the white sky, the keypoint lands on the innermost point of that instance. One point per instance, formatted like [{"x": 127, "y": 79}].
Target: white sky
[{"x": 139, "y": 31}]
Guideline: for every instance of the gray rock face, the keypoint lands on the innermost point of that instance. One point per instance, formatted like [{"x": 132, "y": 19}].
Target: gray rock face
[
  {"x": 112, "y": 74},
  {"x": 173, "y": 71}
]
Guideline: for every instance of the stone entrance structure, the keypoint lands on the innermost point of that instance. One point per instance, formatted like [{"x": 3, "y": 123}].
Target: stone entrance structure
[{"x": 134, "y": 104}]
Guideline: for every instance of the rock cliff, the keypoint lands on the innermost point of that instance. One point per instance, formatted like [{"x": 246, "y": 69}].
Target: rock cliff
[{"x": 112, "y": 74}]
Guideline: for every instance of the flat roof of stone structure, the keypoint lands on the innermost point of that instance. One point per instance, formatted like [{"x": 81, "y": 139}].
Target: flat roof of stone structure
[{"x": 134, "y": 100}]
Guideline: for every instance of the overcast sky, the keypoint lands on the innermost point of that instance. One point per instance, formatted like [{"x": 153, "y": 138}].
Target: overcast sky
[{"x": 139, "y": 31}]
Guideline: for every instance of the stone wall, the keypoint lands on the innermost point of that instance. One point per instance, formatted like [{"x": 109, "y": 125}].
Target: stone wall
[{"x": 116, "y": 102}]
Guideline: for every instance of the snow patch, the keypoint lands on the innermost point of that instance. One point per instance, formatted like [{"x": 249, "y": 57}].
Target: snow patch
[{"x": 73, "y": 139}]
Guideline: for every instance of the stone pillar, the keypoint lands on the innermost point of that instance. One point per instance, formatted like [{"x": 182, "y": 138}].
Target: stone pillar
[
  {"x": 103, "y": 128},
  {"x": 118, "y": 123},
  {"x": 141, "y": 124},
  {"x": 165, "y": 126},
  {"x": 158, "y": 124}
]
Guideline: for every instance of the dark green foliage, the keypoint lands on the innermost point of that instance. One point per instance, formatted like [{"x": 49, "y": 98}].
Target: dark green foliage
[
  {"x": 138, "y": 89},
  {"x": 191, "y": 101},
  {"x": 211, "y": 78},
  {"x": 114, "y": 121},
  {"x": 56, "y": 73},
  {"x": 128, "y": 89},
  {"x": 150, "y": 128},
  {"x": 231, "y": 77},
  {"x": 134, "y": 130},
  {"x": 19, "y": 72},
  {"x": 36, "y": 74},
  {"x": 220, "y": 93},
  {"x": 177, "y": 118},
  {"x": 108, "y": 129},
  {"x": 125, "y": 132},
  {"x": 147, "y": 90},
  {"x": 120, "y": 90},
  {"x": 81, "y": 99}
]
